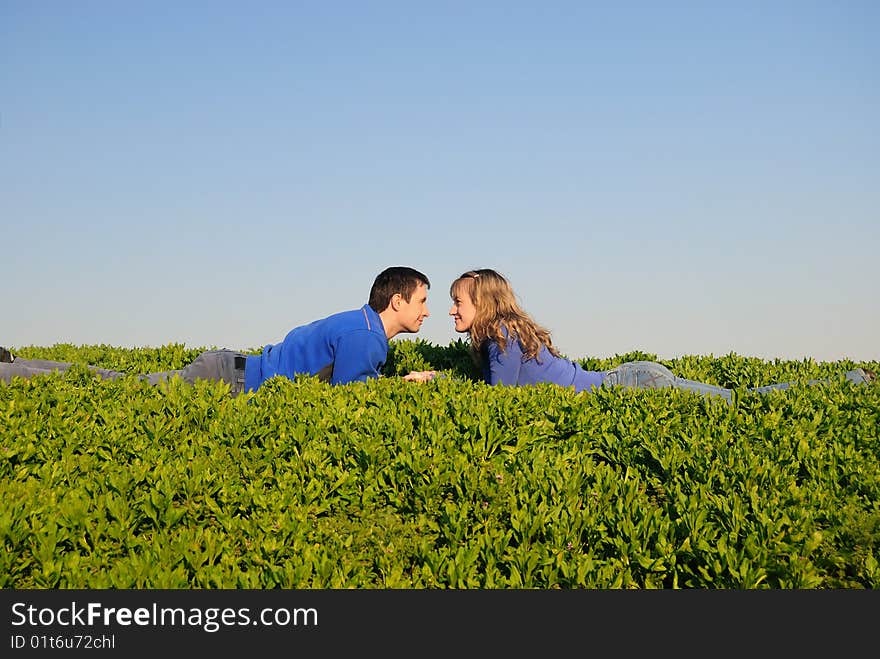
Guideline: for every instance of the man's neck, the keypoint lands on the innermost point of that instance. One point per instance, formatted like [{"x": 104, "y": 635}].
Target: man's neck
[{"x": 392, "y": 329}]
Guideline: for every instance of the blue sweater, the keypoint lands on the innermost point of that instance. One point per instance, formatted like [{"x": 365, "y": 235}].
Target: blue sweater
[
  {"x": 510, "y": 367},
  {"x": 344, "y": 347}
]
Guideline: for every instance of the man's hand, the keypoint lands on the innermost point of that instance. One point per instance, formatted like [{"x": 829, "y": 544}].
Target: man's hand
[{"x": 420, "y": 376}]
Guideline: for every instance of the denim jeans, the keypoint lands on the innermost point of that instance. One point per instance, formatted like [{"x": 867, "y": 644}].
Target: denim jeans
[
  {"x": 651, "y": 375},
  {"x": 209, "y": 365}
]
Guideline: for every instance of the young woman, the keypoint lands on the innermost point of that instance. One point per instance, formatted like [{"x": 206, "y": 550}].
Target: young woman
[{"x": 513, "y": 349}]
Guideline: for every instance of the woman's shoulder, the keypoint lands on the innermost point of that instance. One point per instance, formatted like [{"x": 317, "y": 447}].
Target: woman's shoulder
[
  {"x": 512, "y": 343},
  {"x": 507, "y": 333}
]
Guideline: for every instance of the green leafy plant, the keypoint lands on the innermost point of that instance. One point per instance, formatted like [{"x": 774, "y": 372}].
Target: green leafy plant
[{"x": 445, "y": 484}]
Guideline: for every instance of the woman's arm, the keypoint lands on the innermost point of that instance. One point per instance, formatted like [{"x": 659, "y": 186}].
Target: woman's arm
[{"x": 502, "y": 367}]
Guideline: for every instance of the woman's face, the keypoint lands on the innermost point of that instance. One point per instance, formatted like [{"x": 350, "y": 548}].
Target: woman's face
[{"x": 463, "y": 310}]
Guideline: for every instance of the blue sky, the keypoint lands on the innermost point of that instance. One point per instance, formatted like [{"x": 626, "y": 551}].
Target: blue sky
[{"x": 682, "y": 178}]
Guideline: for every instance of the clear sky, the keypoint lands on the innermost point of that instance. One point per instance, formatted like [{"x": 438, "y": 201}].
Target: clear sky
[{"x": 682, "y": 178}]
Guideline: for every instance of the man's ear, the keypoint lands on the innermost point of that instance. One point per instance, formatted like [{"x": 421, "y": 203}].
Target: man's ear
[{"x": 396, "y": 301}]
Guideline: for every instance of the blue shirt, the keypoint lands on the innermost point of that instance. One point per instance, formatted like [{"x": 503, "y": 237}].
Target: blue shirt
[
  {"x": 344, "y": 347},
  {"x": 511, "y": 368}
]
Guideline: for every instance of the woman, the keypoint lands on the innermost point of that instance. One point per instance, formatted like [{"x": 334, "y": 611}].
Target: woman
[{"x": 513, "y": 349}]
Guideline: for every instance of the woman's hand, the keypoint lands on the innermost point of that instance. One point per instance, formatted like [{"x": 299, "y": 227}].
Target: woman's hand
[{"x": 420, "y": 376}]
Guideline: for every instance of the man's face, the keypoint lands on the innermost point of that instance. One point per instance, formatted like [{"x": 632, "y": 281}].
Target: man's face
[
  {"x": 463, "y": 310},
  {"x": 413, "y": 313}
]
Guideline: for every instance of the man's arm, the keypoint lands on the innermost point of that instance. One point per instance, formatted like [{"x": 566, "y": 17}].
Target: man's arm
[{"x": 359, "y": 356}]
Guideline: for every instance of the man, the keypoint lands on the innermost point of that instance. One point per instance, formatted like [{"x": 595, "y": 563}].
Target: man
[{"x": 345, "y": 347}]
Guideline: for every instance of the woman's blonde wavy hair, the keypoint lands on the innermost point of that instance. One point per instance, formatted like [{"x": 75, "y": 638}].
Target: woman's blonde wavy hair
[{"x": 496, "y": 306}]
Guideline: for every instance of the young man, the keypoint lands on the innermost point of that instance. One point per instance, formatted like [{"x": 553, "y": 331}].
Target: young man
[{"x": 345, "y": 347}]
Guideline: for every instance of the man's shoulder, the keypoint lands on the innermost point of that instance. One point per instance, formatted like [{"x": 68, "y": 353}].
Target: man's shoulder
[
  {"x": 351, "y": 317},
  {"x": 363, "y": 321},
  {"x": 343, "y": 316}
]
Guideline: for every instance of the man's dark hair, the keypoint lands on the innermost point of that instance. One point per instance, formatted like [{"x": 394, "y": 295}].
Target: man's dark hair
[{"x": 397, "y": 279}]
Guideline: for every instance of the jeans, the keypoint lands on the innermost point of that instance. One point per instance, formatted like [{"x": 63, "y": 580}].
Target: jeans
[
  {"x": 217, "y": 365},
  {"x": 651, "y": 375}
]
